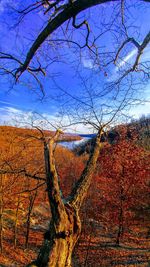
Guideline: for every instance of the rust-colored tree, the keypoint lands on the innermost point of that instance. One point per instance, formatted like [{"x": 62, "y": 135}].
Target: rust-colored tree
[{"x": 124, "y": 166}]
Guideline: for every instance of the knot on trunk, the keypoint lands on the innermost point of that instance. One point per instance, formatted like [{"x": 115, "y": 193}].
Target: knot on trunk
[
  {"x": 63, "y": 234},
  {"x": 47, "y": 235},
  {"x": 58, "y": 235}
]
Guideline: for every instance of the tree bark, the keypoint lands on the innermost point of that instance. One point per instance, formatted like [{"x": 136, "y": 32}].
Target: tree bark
[
  {"x": 79, "y": 192},
  {"x": 28, "y": 222},
  {"x": 65, "y": 224},
  {"x": 58, "y": 247},
  {"x": 16, "y": 221},
  {"x": 120, "y": 229},
  {"x": 1, "y": 213}
]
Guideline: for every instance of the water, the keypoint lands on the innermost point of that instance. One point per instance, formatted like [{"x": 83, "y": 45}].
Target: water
[{"x": 72, "y": 144}]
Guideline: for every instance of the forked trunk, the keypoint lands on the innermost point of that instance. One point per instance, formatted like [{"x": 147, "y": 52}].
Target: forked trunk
[
  {"x": 58, "y": 247},
  {"x": 120, "y": 229},
  {"x": 65, "y": 226}
]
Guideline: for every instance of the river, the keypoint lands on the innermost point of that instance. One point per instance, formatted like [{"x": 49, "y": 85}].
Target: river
[{"x": 72, "y": 144}]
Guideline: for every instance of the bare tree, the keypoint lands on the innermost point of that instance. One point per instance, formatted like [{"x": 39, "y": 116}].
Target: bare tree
[
  {"x": 64, "y": 26},
  {"x": 65, "y": 224},
  {"x": 16, "y": 220},
  {"x": 1, "y": 213},
  {"x": 32, "y": 198}
]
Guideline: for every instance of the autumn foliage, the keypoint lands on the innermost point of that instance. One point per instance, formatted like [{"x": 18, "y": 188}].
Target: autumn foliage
[{"x": 114, "y": 213}]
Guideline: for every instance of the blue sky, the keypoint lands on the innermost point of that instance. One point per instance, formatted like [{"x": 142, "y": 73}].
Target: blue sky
[{"x": 25, "y": 98}]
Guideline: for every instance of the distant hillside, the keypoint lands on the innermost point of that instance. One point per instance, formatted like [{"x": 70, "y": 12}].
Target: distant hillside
[
  {"x": 138, "y": 130},
  {"x": 27, "y": 133},
  {"x": 142, "y": 127}
]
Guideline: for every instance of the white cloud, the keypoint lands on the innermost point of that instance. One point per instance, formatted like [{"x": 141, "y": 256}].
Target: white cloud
[
  {"x": 12, "y": 116},
  {"x": 139, "y": 110},
  {"x": 87, "y": 63},
  {"x": 127, "y": 58},
  {"x": 146, "y": 54},
  {"x": 8, "y": 103},
  {"x": 21, "y": 118}
]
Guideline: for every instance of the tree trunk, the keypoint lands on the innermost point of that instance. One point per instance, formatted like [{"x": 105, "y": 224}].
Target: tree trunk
[
  {"x": 65, "y": 225},
  {"x": 1, "y": 213},
  {"x": 28, "y": 222},
  {"x": 58, "y": 246},
  {"x": 120, "y": 229},
  {"x": 16, "y": 222},
  {"x": 119, "y": 234}
]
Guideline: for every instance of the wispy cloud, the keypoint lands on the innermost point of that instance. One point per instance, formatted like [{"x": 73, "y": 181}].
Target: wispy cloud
[
  {"x": 11, "y": 115},
  {"x": 87, "y": 63},
  {"x": 146, "y": 54},
  {"x": 125, "y": 63},
  {"x": 140, "y": 110},
  {"x": 127, "y": 58},
  {"x": 8, "y": 103},
  {"x": 130, "y": 56},
  {"x": 21, "y": 118}
]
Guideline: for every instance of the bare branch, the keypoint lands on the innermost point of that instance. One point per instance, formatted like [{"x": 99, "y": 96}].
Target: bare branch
[
  {"x": 123, "y": 45},
  {"x": 80, "y": 190},
  {"x": 79, "y": 26},
  {"x": 33, "y": 189},
  {"x": 70, "y": 11},
  {"x": 122, "y": 11},
  {"x": 139, "y": 54},
  {"x": 22, "y": 171}
]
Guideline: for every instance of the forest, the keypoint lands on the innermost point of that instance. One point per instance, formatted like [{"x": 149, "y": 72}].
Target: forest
[{"x": 115, "y": 216}]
